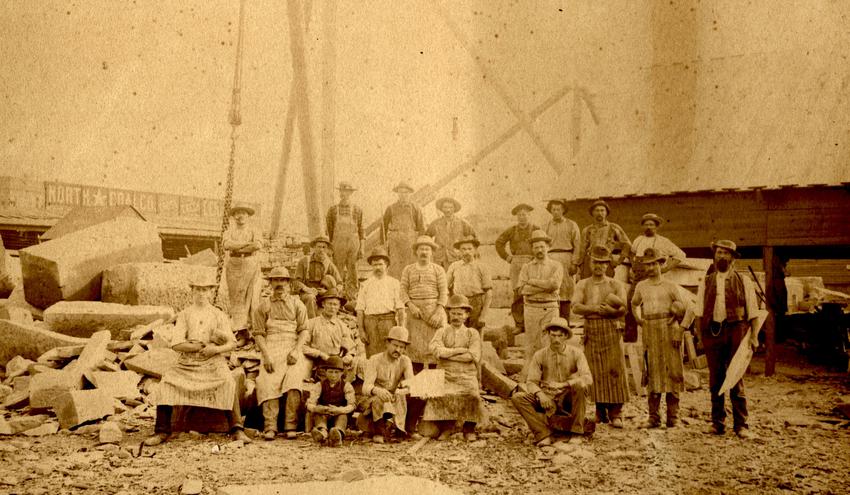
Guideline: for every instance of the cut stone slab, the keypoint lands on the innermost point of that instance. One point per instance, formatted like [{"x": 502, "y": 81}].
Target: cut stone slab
[
  {"x": 50, "y": 428},
  {"x": 20, "y": 424},
  {"x": 157, "y": 284},
  {"x": 428, "y": 383},
  {"x": 154, "y": 362},
  {"x": 61, "y": 353},
  {"x": 21, "y": 383},
  {"x": 30, "y": 341},
  {"x": 46, "y": 387},
  {"x": 93, "y": 354},
  {"x": 409, "y": 485},
  {"x": 82, "y": 318},
  {"x": 16, "y": 314},
  {"x": 69, "y": 268},
  {"x": 78, "y": 406},
  {"x": 489, "y": 355},
  {"x": 16, "y": 400},
  {"x": 118, "y": 384},
  {"x": 110, "y": 432},
  {"x": 496, "y": 382}
]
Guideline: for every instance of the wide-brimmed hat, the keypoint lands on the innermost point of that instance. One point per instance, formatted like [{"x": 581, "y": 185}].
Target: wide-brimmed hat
[
  {"x": 726, "y": 244},
  {"x": 378, "y": 252},
  {"x": 522, "y": 206},
  {"x": 331, "y": 293},
  {"x": 600, "y": 253},
  {"x": 401, "y": 186},
  {"x": 651, "y": 216},
  {"x": 279, "y": 273},
  {"x": 650, "y": 255},
  {"x": 556, "y": 201},
  {"x": 459, "y": 301},
  {"x": 424, "y": 240},
  {"x": 467, "y": 240},
  {"x": 242, "y": 207},
  {"x": 400, "y": 334},
  {"x": 346, "y": 186},
  {"x": 599, "y": 202},
  {"x": 539, "y": 235},
  {"x": 439, "y": 203},
  {"x": 321, "y": 238},
  {"x": 205, "y": 278},
  {"x": 560, "y": 323},
  {"x": 333, "y": 362}
]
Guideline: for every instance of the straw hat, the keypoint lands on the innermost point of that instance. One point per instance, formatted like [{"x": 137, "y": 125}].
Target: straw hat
[
  {"x": 424, "y": 240},
  {"x": 439, "y": 203},
  {"x": 520, "y": 207},
  {"x": 539, "y": 235},
  {"x": 560, "y": 323}
]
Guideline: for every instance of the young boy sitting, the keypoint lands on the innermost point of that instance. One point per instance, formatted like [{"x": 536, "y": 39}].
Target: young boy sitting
[{"x": 332, "y": 397}]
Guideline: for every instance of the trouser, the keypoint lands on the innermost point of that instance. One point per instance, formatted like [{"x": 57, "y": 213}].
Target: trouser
[
  {"x": 719, "y": 350},
  {"x": 309, "y": 301},
  {"x": 654, "y": 401},
  {"x": 564, "y": 310},
  {"x": 271, "y": 411},
  {"x": 345, "y": 247},
  {"x": 164, "y": 414},
  {"x": 340, "y": 421},
  {"x": 568, "y": 417},
  {"x": 378, "y": 426},
  {"x": 608, "y": 411},
  {"x": 376, "y": 328}
]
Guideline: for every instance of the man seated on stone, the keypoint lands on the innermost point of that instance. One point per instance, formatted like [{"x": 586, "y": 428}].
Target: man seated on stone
[
  {"x": 315, "y": 274},
  {"x": 327, "y": 335},
  {"x": 201, "y": 378},
  {"x": 558, "y": 378},
  {"x": 457, "y": 349},
  {"x": 384, "y": 404},
  {"x": 331, "y": 399}
]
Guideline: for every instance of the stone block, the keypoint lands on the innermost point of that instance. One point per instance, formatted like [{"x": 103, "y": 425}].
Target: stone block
[
  {"x": 21, "y": 383},
  {"x": 93, "y": 354},
  {"x": 118, "y": 384},
  {"x": 21, "y": 424},
  {"x": 49, "y": 428},
  {"x": 78, "y": 406},
  {"x": 5, "y": 427},
  {"x": 110, "y": 432},
  {"x": 16, "y": 314},
  {"x": 17, "y": 366},
  {"x": 157, "y": 284},
  {"x": 153, "y": 363},
  {"x": 5, "y": 391},
  {"x": 496, "y": 382},
  {"x": 83, "y": 318},
  {"x": 69, "y": 268},
  {"x": 61, "y": 353},
  {"x": 30, "y": 341},
  {"x": 489, "y": 355},
  {"x": 16, "y": 400},
  {"x": 46, "y": 387}
]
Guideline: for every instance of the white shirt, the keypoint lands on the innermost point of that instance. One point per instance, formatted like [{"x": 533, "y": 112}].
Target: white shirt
[{"x": 719, "y": 314}]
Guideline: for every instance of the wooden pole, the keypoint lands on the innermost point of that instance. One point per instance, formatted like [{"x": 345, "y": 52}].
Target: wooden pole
[
  {"x": 770, "y": 323},
  {"x": 283, "y": 165},
  {"x": 328, "y": 102},
  {"x": 305, "y": 132}
]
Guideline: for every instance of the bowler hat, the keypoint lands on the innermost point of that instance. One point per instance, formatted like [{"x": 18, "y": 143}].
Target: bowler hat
[
  {"x": 726, "y": 244},
  {"x": 520, "y": 207},
  {"x": 279, "y": 273},
  {"x": 346, "y": 186},
  {"x": 559, "y": 323},
  {"x": 242, "y": 207},
  {"x": 650, "y": 255},
  {"x": 439, "y": 203},
  {"x": 403, "y": 186},
  {"x": 599, "y": 202},
  {"x": 556, "y": 201},
  {"x": 378, "y": 253},
  {"x": 539, "y": 235},
  {"x": 459, "y": 301},
  {"x": 424, "y": 240},
  {"x": 203, "y": 279},
  {"x": 651, "y": 216},
  {"x": 400, "y": 334},
  {"x": 467, "y": 240},
  {"x": 600, "y": 253},
  {"x": 333, "y": 362},
  {"x": 321, "y": 238},
  {"x": 331, "y": 293}
]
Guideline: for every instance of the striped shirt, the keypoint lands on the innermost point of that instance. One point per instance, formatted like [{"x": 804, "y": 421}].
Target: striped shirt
[{"x": 424, "y": 282}]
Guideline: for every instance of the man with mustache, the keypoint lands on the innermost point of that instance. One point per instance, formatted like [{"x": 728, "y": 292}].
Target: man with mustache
[
  {"x": 516, "y": 239},
  {"x": 447, "y": 230},
  {"x": 726, "y": 309},
  {"x": 402, "y": 223},
  {"x": 379, "y": 306},
  {"x": 315, "y": 273},
  {"x": 470, "y": 278},
  {"x": 242, "y": 269},
  {"x": 566, "y": 239},
  {"x": 601, "y": 233},
  {"x": 539, "y": 284},
  {"x": 344, "y": 223},
  {"x": 327, "y": 335}
]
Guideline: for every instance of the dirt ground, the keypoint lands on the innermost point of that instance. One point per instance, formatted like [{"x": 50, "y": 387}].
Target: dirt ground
[{"x": 802, "y": 447}]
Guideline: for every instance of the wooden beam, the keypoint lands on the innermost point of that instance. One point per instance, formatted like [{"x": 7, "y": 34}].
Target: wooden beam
[
  {"x": 328, "y": 102},
  {"x": 283, "y": 164},
  {"x": 770, "y": 323}
]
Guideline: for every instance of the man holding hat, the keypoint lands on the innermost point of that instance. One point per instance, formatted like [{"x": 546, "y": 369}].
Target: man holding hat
[
  {"x": 332, "y": 399},
  {"x": 601, "y": 233},
  {"x": 379, "y": 306},
  {"x": 279, "y": 331},
  {"x": 384, "y": 404},
  {"x": 470, "y": 278},
  {"x": 316, "y": 273},
  {"x": 566, "y": 238},
  {"x": 601, "y": 301},
  {"x": 726, "y": 309},
  {"x": 201, "y": 378},
  {"x": 652, "y": 305},
  {"x": 327, "y": 335},
  {"x": 344, "y": 223},
  {"x": 558, "y": 377},
  {"x": 424, "y": 291},
  {"x": 448, "y": 229},
  {"x": 402, "y": 223},
  {"x": 516, "y": 238},
  {"x": 242, "y": 270},
  {"x": 539, "y": 284}
]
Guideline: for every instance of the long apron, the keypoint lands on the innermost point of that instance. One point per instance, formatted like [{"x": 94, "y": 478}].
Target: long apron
[
  {"x": 400, "y": 238},
  {"x": 377, "y": 327},
  {"x": 397, "y": 408},
  {"x": 461, "y": 401},
  {"x": 196, "y": 381},
  {"x": 243, "y": 287},
  {"x": 665, "y": 372},
  {"x": 421, "y": 332},
  {"x": 280, "y": 340},
  {"x": 345, "y": 244},
  {"x": 568, "y": 284},
  {"x": 606, "y": 360}
]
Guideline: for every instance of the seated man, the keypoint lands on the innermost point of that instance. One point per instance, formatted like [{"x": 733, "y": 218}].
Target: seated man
[
  {"x": 331, "y": 398},
  {"x": 327, "y": 335},
  {"x": 558, "y": 377},
  {"x": 315, "y": 274},
  {"x": 201, "y": 378},
  {"x": 384, "y": 403},
  {"x": 458, "y": 352}
]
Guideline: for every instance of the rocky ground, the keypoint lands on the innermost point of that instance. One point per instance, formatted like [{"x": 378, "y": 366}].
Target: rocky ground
[{"x": 803, "y": 446}]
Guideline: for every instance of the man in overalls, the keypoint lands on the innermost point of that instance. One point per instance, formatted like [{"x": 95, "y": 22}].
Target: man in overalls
[
  {"x": 403, "y": 223},
  {"x": 278, "y": 329},
  {"x": 516, "y": 238},
  {"x": 344, "y": 224}
]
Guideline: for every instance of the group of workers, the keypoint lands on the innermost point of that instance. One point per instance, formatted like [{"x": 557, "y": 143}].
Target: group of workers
[{"x": 425, "y": 304}]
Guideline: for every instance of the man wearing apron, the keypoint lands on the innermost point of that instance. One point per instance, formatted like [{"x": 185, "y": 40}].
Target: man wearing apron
[
  {"x": 279, "y": 330},
  {"x": 602, "y": 233},
  {"x": 566, "y": 238},
  {"x": 242, "y": 270},
  {"x": 402, "y": 223},
  {"x": 344, "y": 223},
  {"x": 516, "y": 237},
  {"x": 447, "y": 230}
]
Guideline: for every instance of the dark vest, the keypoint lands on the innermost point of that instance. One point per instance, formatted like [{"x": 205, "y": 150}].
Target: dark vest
[
  {"x": 332, "y": 396},
  {"x": 736, "y": 307}
]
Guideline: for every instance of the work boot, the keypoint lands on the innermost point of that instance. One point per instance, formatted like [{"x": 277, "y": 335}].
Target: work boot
[
  {"x": 745, "y": 434},
  {"x": 715, "y": 430},
  {"x": 651, "y": 424},
  {"x": 672, "y": 422},
  {"x": 269, "y": 434},
  {"x": 470, "y": 436},
  {"x": 336, "y": 437},
  {"x": 319, "y": 435},
  {"x": 617, "y": 423},
  {"x": 241, "y": 435},
  {"x": 156, "y": 439},
  {"x": 444, "y": 435},
  {"x": 545, "y": 442},
  {"x": 378, "y": 439},
  {"x": 291, "y": 435}
]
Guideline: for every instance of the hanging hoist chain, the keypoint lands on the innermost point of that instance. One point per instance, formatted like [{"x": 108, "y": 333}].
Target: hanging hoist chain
[{"x": 235, "y": 121}]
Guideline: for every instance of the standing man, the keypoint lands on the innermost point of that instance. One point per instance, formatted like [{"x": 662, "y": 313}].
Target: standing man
[
  {"x": 447, "y": 230},
  {"x": 344, "y": 223},
  {"x": 652, "y": 305},
  {"x": 516, "y": 238},
  {"x": 470, "y": 278},
  {"x": 403, "y": 222},
  {"x": 726, "y": 309},
  {"x": 316, "y": 273},
  {"x": 379, "y": 306},
  {"x": 601, "y": 233},
  {"x": 424, "y": 291},
  {"x": 599, "y": 299},
  {"x": 539, "y": 284},
  {"x": 279, "y": 331},
  {"x": 242, "y": 270},
  {"x": 558, "y": 377},
  {"x": 566, "y": 238}
]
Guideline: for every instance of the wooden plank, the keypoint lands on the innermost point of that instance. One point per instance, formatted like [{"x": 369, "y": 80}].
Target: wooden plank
[{"x": 770, "y": 323}]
